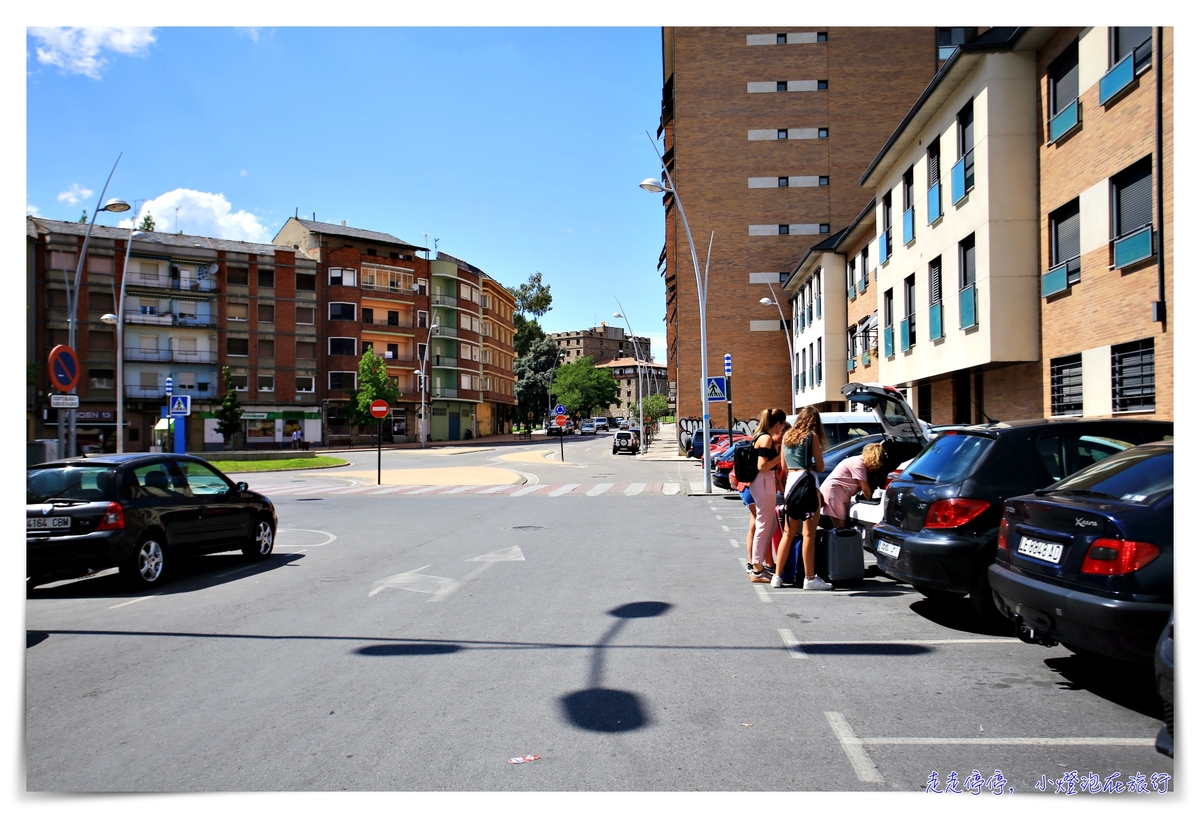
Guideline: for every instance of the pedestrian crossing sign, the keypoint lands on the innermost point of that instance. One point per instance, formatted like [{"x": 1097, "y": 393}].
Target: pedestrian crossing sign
[
  {"x": 716, "y": 389},
  {"x": 180, "y": 405}
]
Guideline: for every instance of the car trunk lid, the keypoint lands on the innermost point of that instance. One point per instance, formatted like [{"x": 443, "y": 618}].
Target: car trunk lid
[{"x": 890, "y": 409}]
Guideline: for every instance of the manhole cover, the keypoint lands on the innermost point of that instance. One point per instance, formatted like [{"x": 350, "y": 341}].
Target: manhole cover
[{"x": 527, "y": 528}]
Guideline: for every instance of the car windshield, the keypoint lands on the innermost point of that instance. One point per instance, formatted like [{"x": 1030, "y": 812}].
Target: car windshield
[
  {"x": 85, "y": 483},
  {"x": 949, "y": 458},
  {"x": 1141, "y": 475}
]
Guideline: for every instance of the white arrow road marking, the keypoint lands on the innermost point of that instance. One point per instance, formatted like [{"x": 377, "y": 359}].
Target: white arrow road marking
[
  {"x": 503, "y": 555},
  {"x": 413, "y": 581}
]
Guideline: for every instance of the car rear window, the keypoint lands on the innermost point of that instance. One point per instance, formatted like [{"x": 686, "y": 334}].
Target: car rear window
[
  {"x": 950, "y": 458},
  {"x": 70, "y": 483},
  {"x": 1140, "y": 476}
]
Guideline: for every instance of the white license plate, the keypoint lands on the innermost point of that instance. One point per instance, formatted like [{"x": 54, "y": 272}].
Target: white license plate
[
  {"x": 1040, "y": 549},
  {"x": 888, "y": 549},
  {"x": 43, "y": 523}
]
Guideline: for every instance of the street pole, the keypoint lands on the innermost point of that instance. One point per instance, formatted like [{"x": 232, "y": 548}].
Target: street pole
[
  {"x": 729, "y": 393},
  {"x": 119, "y": 319},
  {"x": 637, "y": 358},
  {"x": 379, "y": 453},
  {"x": 787, "y": 334},
  {"x": 702, "y": 295}
]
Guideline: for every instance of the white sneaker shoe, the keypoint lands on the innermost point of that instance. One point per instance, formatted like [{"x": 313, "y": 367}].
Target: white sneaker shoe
[
  {"x": 817, "y": 584},
  {"x": 776, "y": 582}
]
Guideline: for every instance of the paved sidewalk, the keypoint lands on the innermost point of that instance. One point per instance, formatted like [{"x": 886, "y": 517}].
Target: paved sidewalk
[{"x": 665, "y": 446}]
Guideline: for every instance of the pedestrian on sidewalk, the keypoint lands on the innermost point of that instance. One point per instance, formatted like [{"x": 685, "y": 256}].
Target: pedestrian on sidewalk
[
  {"x": 763, "y": 489},
  {"x": 296, "y": 437},
  {"x": 803, "y": 446}
]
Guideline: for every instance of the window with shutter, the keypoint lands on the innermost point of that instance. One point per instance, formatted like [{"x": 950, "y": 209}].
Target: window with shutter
[
  {"x": 1132, "y": 198},
  {"x": 1064, "y": 78},
  {"x": 935, "y": 281},
  {"x": 966, "y": 262}
]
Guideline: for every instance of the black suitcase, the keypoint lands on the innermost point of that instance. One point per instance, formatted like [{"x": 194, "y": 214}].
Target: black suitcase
[{"x": 840, "y": 555}]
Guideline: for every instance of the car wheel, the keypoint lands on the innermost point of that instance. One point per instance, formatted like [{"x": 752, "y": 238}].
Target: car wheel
[
  {"x": 262, "y": 541},
  {"x": 147, "y": 564},
  {"x": 936, "y": 594}
]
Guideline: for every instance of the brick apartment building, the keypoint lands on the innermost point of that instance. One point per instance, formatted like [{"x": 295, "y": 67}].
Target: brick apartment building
[
  {"x": 766, "y": 132},
  {"x": 625, "y": 372},
  {"x": 603, "y": 344},
  {"x": 497, "y": 413},
  {"x": 193, "y": 304}
]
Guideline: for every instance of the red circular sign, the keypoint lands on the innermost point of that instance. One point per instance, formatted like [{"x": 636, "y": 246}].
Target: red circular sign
[
  {"x": 64, "y": 368},
  {"x": 379, "y": 408},
  {"x": 561, "y": 420}
]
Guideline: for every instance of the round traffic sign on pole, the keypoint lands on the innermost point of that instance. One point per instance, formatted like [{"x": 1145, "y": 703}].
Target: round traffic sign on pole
[
  {"x": 379, "y": 408},
  {"x": 560, "y": 410},
  {"x": 561, "y": 420},
  {"x": 64, "y": 368}
]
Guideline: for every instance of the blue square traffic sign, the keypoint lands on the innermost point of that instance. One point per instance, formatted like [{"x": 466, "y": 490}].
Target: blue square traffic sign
[{"x": 715, "y": 389}]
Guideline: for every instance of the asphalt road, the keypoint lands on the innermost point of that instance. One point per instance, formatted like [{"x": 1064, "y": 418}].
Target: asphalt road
[{"x": 419, "y": 641}]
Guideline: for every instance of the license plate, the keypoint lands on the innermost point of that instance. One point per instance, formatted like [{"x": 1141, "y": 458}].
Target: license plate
[
  {"x": 888, "y": 549},
  {"x": 1040, "y": 549},
  {"x": 44, "y": 523}
]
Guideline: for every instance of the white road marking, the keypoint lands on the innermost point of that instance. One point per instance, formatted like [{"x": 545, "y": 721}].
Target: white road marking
[
  {"x": 698, "y": 488},
  {"x": 718, "y": 517},
  {"x": 914, "y": 642},
  {"x": 792, "y": 643},
  {"x": 493, "y": 489},
  {"x": 561, "y": 490},
  {"x": 130, "y": 602},
  {"x": 763, "y": 595},
  {"x": 734, "y": 543},
  {"x": 526, "y": 490},
  {"x": 413, "y": 581},
  {"x": 670, "y": 488},
  {"x": 234, "y": 571},
  {"x": 424, "y": 489},
  {"x": 599, "y": 489},
  {"x": 724, "y": 527},
  {"x": 634, "y": 488},
  {"x": 1102, "y": 741},
  {"x": 863, "y": 766},
  {"x": 329, "y": 537},
  {"x": 458, "y": 489},
  {"x": 503, "y": 555}
]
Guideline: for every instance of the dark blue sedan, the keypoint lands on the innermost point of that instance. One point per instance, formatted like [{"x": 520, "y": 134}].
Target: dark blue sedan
[{"x": 1089, "y": 561}]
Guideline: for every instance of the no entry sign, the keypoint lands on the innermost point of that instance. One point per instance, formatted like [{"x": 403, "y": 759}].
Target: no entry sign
[{"x": 379, "y": 408}]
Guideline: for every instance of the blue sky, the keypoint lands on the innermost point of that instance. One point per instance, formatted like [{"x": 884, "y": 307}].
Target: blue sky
[{"x": 519, "y": 149}]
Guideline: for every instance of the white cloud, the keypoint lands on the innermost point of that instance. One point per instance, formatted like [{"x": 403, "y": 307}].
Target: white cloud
[
  {"x": 201, "y": 214},
  {"x": 32, "y": 210},
  {"x": 76, "y": 194},
  {"x": 253, "y": 32},
  {"x": 245, "y": 173},
  {"x": 80, "y": 50}
]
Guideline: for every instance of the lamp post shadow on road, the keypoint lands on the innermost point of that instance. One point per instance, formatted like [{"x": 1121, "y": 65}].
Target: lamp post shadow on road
[{"x": 603, "y": 709}]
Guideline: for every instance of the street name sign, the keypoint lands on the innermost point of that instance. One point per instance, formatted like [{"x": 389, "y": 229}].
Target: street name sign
[{"x": 64, "y": 401}]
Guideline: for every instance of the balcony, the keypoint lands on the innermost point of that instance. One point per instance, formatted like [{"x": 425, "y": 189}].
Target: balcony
[
  {"x": 966, "y": 308},
  {"x": 863, "y": 283},
  {"x": 851, "y": 293},
  {"x": 817, "y": 379},
  {"x": 865, "y": 359},
  {"x": 203, "y": 285},
  {"x": 443, "y": 392},
  {"x": 194, "y": 320},
  {"x": 397, "y": 358},
  {"x": 170, "y": 319},
  {"x": 1133, "y": 247},
  {"x": 818, "y": 306},
  {"x": 1121, "y": 75},
  {"x": 907, "y": 328},
  {"x": 808, "y": 313},
  {"x": 209, "y": 392},
  {"x": 934, "y": 202},
  {"x": 445, "y": 361},
  {"x": 444, "y": 332},
  {"x": 149, "y": 318},
  {"x": 403, "y": 322},
  {"x": 935, "y": 321},
  {"x": 962, "y": 177},
  {"x": 139, "y": 354},
  {"x": 803, "y": 382},
  {"x": 443, "y": 301},
  {"x": 1065, "y": 121},
  {"x": 885, "y": 245},
  {"x": 850, "y": 364},
  {"x": 889, "y": 342},
  {"x": 1058, "y": 279},
  {"x": 910, "y": 225}
]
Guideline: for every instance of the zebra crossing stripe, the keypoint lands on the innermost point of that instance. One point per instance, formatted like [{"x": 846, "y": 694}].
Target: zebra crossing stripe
[
  {"x": 458, "y": 489},
  {"x": 561, "y": 490},
  {"x": 528, "y": 490},
  {"x": 599, "y": 489},
  {"x": 424, "y": 489},
  {"x": 635, "y": 488},
  {"x": 670, "y": 488},
  {"x": 494, "y": 489}
]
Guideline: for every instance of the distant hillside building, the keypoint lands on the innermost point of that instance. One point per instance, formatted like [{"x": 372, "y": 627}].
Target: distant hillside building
[
  {"x": 602, "y": 343},
  {"x": 625, "y": 373}
]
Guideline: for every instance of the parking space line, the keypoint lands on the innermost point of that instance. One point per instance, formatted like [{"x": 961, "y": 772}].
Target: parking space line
[
  {"x": 130, "y": 602},
  {"x": 863, "y": 766},
  {"x": 763, "y": 595},
  {"x": 1102, "y": 741},
  {"x": 792, "y": 643},
  {"x": 724, "y": 527},
  {"x": 912, "y": 641}
]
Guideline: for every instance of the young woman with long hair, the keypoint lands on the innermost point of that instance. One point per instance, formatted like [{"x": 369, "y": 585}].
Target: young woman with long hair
[
  {"x": 802, "y": 450},
  {"x": 850, "y": 477},
  {"x": 763, "y": 489}
]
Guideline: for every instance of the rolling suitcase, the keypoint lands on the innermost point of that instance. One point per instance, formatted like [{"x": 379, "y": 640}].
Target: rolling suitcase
[
  {"x": 840, "y": 555},
  {"x": 789, "y": 571}
]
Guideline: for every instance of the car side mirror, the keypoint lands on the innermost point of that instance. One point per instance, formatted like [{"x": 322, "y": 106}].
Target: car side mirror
[{"x": 242, "y": 487}]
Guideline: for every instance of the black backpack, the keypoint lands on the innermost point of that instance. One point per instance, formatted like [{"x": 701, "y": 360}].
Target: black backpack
[{"x": 745, "y": 464}]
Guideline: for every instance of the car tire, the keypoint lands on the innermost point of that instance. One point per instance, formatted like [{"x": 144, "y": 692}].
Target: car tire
[
  {"x": 937, "y": 594},
  {"x": 262, "y": 540},
  {"x": 147, "y": 565}
]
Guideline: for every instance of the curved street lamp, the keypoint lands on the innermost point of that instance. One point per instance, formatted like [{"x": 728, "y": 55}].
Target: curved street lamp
[
  {"x": 787, "y": 334},
  {"x": 637, "y": 356},
  {"x": 652, "y": 185},
  {"x": 119, "y": 321}
]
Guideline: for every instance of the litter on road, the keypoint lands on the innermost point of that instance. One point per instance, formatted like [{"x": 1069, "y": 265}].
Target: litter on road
[{"x": 523, "y": 759}]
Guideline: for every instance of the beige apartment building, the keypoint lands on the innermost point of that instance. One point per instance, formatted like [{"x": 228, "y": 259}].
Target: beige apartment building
[{"x": 602, "y": 344}]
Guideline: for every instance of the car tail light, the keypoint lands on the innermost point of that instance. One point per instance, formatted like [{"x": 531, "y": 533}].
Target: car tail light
[
  {"x": 1002, "y": 537},
  {"x": 113, "y": 519},
  {"x": 1110, "y": 557},
  {"x": 895, "y": 473},
  {"x": 954, "y": 512}
]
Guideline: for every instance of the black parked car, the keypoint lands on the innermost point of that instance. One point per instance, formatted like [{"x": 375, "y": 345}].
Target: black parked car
[
  {"x": 942, "y": 514},
  {"x": 137, "y": 512},
  {"x": 1164, "y": 676},
  {"x": 1089, "y": 561}
]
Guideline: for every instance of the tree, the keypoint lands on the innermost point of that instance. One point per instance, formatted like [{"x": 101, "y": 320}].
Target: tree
[
  {"x": 147, "y": 223},
  {"x": 528, "y": 331},
  {"x": 655, "y": 406},
  {"x": 533, "y": 297},
  {"x": 374, "y": 383},
  {"x": 581, "y": 386},
  {"x": 83, "y": 218},
  {"x": 229, "y": 416},
  {"x": 534, "y": 371}
]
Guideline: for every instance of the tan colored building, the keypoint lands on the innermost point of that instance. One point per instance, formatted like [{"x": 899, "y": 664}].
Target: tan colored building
[
  {"x": 1106, "y": 230},
  {"x": 766, "y": 132},
  {"x": 602, "y": 344},
  {"x": 496, "y": 413},
  {"x": 625, "y": 373}
]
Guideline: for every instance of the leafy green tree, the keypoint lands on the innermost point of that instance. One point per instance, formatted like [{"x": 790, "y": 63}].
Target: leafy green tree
[
  {"x": 581, "y": 386},
  {"x": 147, "y": 223},
  {"x": 83, "y": 218},
  {"x": 655, "y": 406},
  {"x": 528, "y": 331},
  {"x": 533, "y": 297},
  {"x": 229, "y": 416},
  {"x": 374, "y": 383},
  {"x": 534, "y": 371}
]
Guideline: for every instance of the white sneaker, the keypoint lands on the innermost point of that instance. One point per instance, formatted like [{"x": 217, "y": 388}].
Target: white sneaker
[
  {"x": 776, "y": 582},
  {"x": 817, "y": 584}
]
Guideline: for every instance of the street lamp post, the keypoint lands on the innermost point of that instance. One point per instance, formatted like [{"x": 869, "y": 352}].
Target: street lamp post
[
  {"x": 654, "y": 186},
  {"x": 111, "y": 206},
  {"x": 637, "y": 357},
  {"x": 119, "y": 320},
  {"x": 787, "y": 334}
]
